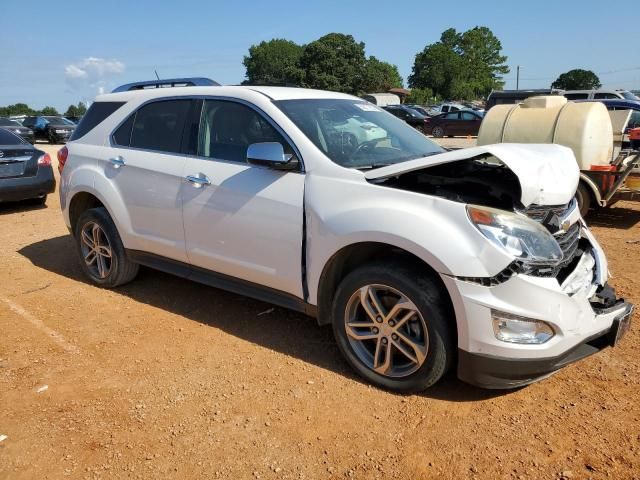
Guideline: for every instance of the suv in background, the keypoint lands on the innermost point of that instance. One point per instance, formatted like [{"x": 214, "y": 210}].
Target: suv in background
[
  {"x": 599, "y": 95},
  {"x": 511, "y": 97},
  {"x": 419, "y": 258},
  {"x": 53, "y": 129}
]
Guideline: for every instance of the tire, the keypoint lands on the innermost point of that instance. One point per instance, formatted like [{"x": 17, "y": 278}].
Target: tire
[
  {"x": 584, "y": 197},
  {"x": 107, "y": 272},
  {"x": 437, "y": 132},
  {"x": 430, "y": 325}
]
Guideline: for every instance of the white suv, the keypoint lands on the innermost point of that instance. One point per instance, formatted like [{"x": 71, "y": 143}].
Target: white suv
[{"x": 421, "y": 259}]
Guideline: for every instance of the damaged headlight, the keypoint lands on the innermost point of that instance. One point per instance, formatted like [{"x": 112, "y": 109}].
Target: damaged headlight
[{"x": 516, "y": 234}]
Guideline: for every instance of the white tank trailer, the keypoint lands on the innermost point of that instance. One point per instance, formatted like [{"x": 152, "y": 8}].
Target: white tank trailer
[{"x": 594, "y": 134}]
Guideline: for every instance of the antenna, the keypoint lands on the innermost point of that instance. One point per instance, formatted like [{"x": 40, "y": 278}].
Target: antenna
[{"x": 156, "y": 72}]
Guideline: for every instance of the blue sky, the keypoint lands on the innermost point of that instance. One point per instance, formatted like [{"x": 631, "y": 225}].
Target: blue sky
[{"x": 57, "y": 53}]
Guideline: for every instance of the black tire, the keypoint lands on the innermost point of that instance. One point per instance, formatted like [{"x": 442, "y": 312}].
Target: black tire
[
  {"x": 426, "y": 293},
  {"x": 584, "y": 198},
  {"x": 437, "y": 131},
  {"x": 121, "y": 270}
]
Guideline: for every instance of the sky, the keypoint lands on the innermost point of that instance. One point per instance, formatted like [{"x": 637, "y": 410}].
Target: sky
[{"x": 59, "y": 53}]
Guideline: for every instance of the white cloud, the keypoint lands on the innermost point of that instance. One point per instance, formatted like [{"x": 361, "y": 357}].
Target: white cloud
[{"x": 92, "y": 73}]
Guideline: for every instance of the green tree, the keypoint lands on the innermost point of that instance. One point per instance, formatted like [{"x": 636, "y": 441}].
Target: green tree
[
  {"x": 461, "y": 65},
  {"x": 273, "y": 62},
  {"x": 577, "y": 79},
  {"x": 17, "y": 109},
  {"x": 76, "y": 110},
  {"x": 379, "y": 76},
  {"x": 334, "y": 62},
  {"x": 420, "y": 96},
  {"x": 49, "y": 111}
]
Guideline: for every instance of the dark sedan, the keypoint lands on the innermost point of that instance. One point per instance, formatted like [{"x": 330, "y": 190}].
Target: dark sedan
[
  {"x": 54, "y": 129},
  {"x": 409, "y": 115},
  {"x": 15, "y": 127},
  {"x": 463, "y": 123},
  {"x": 25, "y": 173}
]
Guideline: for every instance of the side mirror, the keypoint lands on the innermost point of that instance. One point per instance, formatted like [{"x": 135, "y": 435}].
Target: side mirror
[{"x": 270, "y": 154}]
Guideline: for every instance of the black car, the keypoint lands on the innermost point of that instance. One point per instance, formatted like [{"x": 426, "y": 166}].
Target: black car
[
  {"x": 409, "y": 115},
  {"x": 15, "y": 127},
  {"x": 54, "y": 129},
  {"x": 25, "y": 172}
]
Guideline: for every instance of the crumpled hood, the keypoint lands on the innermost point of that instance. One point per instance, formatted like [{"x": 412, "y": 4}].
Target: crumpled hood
[{"x": 548, "y": 174}]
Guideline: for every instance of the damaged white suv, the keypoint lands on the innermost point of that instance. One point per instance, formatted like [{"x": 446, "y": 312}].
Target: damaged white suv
[{"x": 421, "y": 259}]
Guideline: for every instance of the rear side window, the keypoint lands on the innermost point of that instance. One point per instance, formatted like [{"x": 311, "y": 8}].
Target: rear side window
[
  {"x": 159, "y": 126},
  {"x": 122, "y": 135},
  {"x": 605, "y": 95},
  {"x": 98, "y": 111}
]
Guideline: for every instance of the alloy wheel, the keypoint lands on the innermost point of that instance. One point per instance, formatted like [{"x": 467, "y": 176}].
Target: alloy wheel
[
  {"x": 96, "y": 250},
  {"x": 386, "y": 330}
]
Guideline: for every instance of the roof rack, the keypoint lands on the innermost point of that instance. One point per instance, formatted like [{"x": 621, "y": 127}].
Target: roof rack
[{"x": 169, "y": 82}]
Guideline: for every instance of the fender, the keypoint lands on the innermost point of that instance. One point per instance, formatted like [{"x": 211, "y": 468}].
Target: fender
[
  {"x": 433, "y": 229},
  {"x": 593, "y": 187}
]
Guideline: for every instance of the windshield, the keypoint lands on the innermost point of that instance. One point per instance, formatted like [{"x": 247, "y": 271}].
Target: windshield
[
  {"x": 629, "y": 95},
  {"x": 59, "y": 121},
  {"x": 5, "y": 122},
  {"x": 357, "y": 134}
]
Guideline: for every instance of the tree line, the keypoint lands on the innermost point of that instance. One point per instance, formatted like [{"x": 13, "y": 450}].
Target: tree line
[{"x": 24, "y": 109}]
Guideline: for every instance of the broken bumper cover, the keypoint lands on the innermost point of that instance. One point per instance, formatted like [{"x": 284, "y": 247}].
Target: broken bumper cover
[{"x": 498, "y": 373}]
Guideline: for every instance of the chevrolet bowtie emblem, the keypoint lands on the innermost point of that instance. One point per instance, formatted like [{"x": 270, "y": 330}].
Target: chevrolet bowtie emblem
[{"x": 565, "y": 225}]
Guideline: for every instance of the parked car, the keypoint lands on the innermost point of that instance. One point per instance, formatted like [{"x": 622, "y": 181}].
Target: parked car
[
  {"x": 510, "y": 97},
  {"x": 602, "y": 94},
  {"x": 464, "y": 122},
  {"x": 54, "y": 129},
  {"x": 421, "y": 109},
  {"x": 619, "y": 104},
  {"x": 420, "y": 259},
  {"x": 25, "y": 173},
  {"x": 409, "y": 115},
  {"x": 15, "y": 127},
  {"x": 382, "y": 99},
  {"x": 446, "y": 108}
]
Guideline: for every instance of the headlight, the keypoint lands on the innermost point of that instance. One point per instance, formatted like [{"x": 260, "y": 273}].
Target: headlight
[
  {"x": 515, "y": 329},
  {"x": 516, "y": 234}
]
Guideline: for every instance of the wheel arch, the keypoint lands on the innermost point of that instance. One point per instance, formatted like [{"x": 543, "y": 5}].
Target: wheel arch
[
  {"x": 591, "y": 187},
  {"x": 351, "y": 256}
]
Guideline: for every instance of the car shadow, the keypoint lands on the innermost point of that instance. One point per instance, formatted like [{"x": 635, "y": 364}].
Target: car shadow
[
  {"x": 22, "y": 206},
  {"x": 614, "y": 217},
  {"x": 289, "y": 332}
]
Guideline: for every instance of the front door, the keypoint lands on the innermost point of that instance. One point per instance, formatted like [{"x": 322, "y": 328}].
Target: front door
[{"x": 241, "y": 220}]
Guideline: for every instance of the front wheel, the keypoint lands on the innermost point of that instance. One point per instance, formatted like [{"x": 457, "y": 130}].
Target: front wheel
[
  {"x": 102, "y": 254},
  {"x": 393, "y": 325}
]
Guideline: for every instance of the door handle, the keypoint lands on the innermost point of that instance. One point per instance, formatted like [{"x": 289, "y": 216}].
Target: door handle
[
  {"x": 198, "y": 181},
  {"x": 117, "y": 162}
]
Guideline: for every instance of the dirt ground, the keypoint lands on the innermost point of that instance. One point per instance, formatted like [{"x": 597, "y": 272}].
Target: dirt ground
[{"x": 168, "y": 378}]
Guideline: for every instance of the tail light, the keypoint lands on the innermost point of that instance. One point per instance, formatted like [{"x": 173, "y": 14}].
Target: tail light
[
  {"x": 63, "y": 153},
  {"x": 44, "y": 160}
]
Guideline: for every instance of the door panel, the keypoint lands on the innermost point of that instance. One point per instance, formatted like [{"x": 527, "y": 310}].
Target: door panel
[{"x": 246, "y": 223}]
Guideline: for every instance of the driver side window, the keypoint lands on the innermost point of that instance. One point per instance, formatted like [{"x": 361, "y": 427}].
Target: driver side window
[{"x": 228, "y": 128}]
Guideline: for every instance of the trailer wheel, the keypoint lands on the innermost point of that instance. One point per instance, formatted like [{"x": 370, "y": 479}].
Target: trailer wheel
[{"x": 584, "y": 196}]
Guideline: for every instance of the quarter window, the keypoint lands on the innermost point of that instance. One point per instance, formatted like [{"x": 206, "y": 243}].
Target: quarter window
[
  {"x": 468, "y": 116},
  {"x": 228, "y": 128},
  {"x": 159, "y": 126},
  {"x": 97, "y": 112}
]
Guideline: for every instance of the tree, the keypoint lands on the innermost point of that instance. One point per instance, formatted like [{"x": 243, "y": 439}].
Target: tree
[
  {"x": 577, "y": 79},
  {"x": 76, "y": 111},
  {"x": 379, "y": 76},
  {"x": 17, "y": 109},
  {"x": 461, "y": 65},
  {"x": 49, "y": 111},
  {"x": 274, "y": 62},
  {"x": 334, "y": 62},
  {"x": 420, "y": 96}
]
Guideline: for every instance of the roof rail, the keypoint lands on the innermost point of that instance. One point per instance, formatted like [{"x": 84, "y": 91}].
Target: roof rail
[{"x": 169, "y": 82}]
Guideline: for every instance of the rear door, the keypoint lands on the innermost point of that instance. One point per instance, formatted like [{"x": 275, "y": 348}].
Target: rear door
[
  {"x": 145, "y": 166},
  {"x": 469, "y": 123},
  {"x": 242, "y": 220}
]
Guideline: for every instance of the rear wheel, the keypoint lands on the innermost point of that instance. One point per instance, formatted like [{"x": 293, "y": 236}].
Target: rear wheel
[
  {"x": 102, "y": 254},
  {"x": 583, "y": 196},
  {"x": 391, "y": 323},
  {"x": 437, "y": 132}
]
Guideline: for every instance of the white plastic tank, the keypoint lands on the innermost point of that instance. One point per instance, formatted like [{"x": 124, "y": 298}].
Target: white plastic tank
[{"x": 585, "y": 127}]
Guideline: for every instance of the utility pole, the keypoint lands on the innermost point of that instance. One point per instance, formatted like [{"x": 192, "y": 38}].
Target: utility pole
[{"x": 518, "y": 77}]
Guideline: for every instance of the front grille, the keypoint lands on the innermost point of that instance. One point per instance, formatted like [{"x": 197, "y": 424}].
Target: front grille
[{"x": 541, "y": 213}]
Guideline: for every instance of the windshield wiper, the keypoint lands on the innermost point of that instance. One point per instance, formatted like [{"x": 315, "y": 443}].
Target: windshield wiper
[{"x": 371, "y": 166}]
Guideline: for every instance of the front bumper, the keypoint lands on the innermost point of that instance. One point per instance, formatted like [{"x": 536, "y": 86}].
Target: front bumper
[
  {"x": 581, "y": 326},
  {"x": 22, "y": 188}
]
